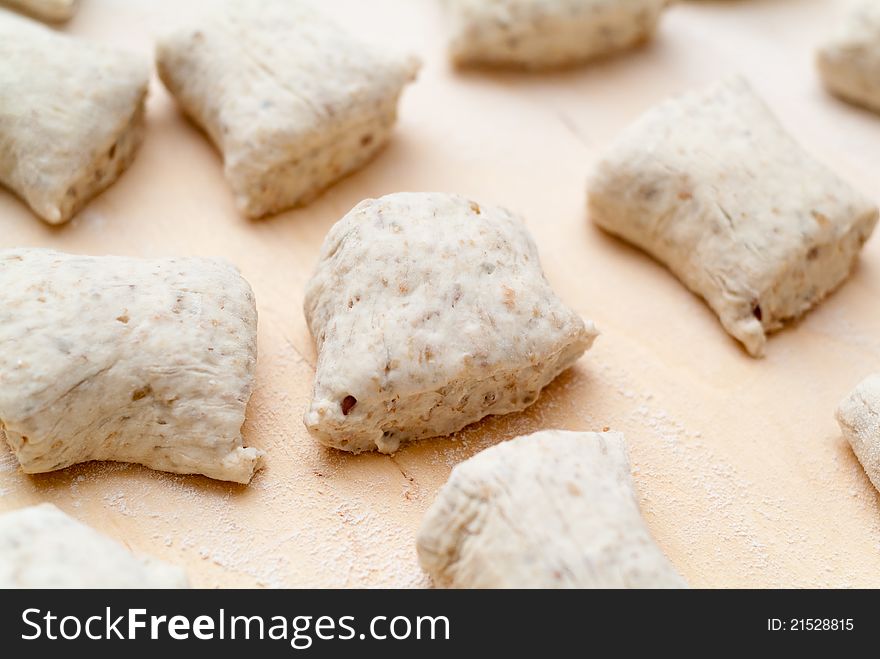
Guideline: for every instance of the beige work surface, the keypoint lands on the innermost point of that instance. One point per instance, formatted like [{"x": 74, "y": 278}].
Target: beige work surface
[{"x": 741, "y": 471}]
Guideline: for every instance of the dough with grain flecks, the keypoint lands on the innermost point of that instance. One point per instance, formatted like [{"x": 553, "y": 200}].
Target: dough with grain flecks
[
  {"x": 47, "y": 10},
  {"x": 554, "y": 509},
  {"x": 430, "y": 312},
  {"x": 71, "y": 116},
  {"x": 547, "y": 33},
  {"x": 42, "y": 547},
  {"x": 292, "y": 101},
  {"x": 859, "y": 418},
  {"x": 849, "y": 63},
  {"x": 711, "y": 185},
  {"x": 132, "y": 360}
]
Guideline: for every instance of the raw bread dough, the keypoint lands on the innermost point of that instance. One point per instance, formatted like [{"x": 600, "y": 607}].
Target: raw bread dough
[
  {"x": 554, "y": 509},
  {"x": 547, "y": 33},
  {"x": 292, "y": 101},
  {"x": 111, "y": 358},
  {"x": 47, "y": 10},
  {"x": 430, "y": 312},
  {"x": 850, "y": 62},
  {"x": 41, "y": 547},
  {"x": 71, "y": 116},
  {"x": 859, "y": 419},
  {"x": 711, "y": 185}
]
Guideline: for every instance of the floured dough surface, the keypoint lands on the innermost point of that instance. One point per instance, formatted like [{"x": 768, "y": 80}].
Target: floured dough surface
[
  {"x": 42, "y": 547},
  {"x": 292, "y": 101},
  {"x": 112, "y": 358},
  {"x": 430, "y": 311},
  {"x": 554, "y": 509},
  {"x": 859, "y": 419},
  {"x": 547, "y": 33},
  {"x": 71, "y": 116},
  {"x": 711, "y": 185},
  {"x": 849, "y": 62},
  {"x": 47, "y": 10}
]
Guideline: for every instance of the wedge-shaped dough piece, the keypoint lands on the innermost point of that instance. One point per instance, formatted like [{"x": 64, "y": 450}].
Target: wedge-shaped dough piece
[
  {"x": 850, "y": 62},
  {"x": 292, "y": 101},
  {"x": 42, "y": 547},
  {"x": 430, "y": 312},
  {"x": 71, "y": 116},
  {"x": 47, "y": 10},
  {"x": 711, "y": 185},
  {"x": 554, "y": 509},
  {"x": 859, "y": 419},
  {"x": 547, "y": 33},
  {"x": 111, "y": 358}
]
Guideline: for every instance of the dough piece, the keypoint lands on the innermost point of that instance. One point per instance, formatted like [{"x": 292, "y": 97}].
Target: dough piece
[
  {"x": 859, "y": 419},
  {"x": 430, "y": 312},
  {"x": 71, "y": 116},
  {"x": 112, "y": 358},
  {"x": 850, "y": 62},
  {"x": 711, "y": 185},
  {"x": 547, "y": 33},
  {"x": 293, "y": 102},
  {"x": 41, "y": 547},
  {"x": 47, "y": 10},
  {"x": 554, "y": 509}
]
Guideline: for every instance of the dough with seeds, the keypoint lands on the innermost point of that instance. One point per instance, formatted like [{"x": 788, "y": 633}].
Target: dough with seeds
[
  {"x": 547, "y": 33},
  {"x": 849, "y": 63},
  {"x": 712, "y": 186},
  {"x": 859, "y": 418},
  {"x": 554, "y": 509},
  {"x": 292, "y": 101},
  {"x": 47, "y": 10},
  {"x": 113, "y": 358},
  {"x": 430, "y": 311},
  {"x": 42, "y": 547},
  {"x": 71, "y": 116}
]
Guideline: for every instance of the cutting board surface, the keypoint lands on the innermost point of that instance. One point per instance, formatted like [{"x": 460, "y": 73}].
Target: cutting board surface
[{"x": 741, "y": 472}]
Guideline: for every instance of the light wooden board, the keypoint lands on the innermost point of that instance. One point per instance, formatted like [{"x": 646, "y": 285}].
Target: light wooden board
[{"x": 741, "y": 471}]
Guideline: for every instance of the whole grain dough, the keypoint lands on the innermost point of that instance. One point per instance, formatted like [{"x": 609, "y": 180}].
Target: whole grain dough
[
  {"x": 430, "y": 311},
  {"x": 859, "y": 418},
  {"x": 112, "y": 358},
  {"x": 554, "y": 509},
  {"x": 292, "y": 101},
  {"x": 711, "y": 185},
  {"x": 42, "y": 547},
  {"x": 849, "y": 63},
  {"x": 71, "y": 116},
  {"x": 547, "y": 33},
  {"x": 47, "y": 10}
]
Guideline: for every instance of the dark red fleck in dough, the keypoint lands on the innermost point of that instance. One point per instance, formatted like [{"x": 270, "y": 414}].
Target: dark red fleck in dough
[{"x": 348, "y": 404}]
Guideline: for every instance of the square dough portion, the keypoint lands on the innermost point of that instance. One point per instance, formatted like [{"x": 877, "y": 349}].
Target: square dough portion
[
  {"x": 42, "y": 547},
  {"x": 71, "y": 116},
  {"x": 149, "y": 361},
  {"x": 850, "y": 62},
  {"x": 292, "y": 102},
  {"x": 430, "y": 311},
  {"x": 859, "y": 418},
  {"x": 554, "y": 509},
  {"x": 47, "y": 10},
  {"x": 711, "y": 185},
  {"x": 547, "y": 33}
]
